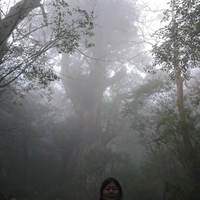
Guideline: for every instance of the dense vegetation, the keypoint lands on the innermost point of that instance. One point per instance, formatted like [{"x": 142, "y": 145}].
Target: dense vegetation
[{"x": 115, "y": 109}]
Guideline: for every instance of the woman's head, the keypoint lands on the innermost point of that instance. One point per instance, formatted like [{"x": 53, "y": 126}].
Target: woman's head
[{"x": 111, "y": 190}]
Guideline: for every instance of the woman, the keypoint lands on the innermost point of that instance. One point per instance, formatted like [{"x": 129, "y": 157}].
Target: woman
[{"x": 110, "y": 190}]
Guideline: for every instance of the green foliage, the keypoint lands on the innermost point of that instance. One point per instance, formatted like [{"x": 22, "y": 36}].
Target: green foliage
[
  {"x": 177, "y": 53},
  {"x": 25, "y": 152},
  {"x": 104, "y": 161},
  {"x": 180, "y": 44},
  {"x": 146, "y": 98},
  {"x": 155, "y": 118},
  {"x": 23, "y": 193},
  {"x": 35, "y": 139},
  {"x": 57, "y": 193},
  {"x": 27, "y": 60},
  {"x": 193, "y": 97},
  {"x": 98, "y": 164},
  {"x": 2, "y": 197},
  {"x": 170, "y": 129},
  {"x": 69, "y": 34}
]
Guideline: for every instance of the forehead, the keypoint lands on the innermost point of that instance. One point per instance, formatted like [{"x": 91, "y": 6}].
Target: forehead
[{"x": 111, "y": 184}]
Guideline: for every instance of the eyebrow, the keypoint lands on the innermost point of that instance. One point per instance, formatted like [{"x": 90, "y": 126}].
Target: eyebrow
[{"x": 111, "y": 187}]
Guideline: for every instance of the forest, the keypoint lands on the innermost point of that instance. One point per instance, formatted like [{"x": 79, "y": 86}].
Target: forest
[{"x": 91, "y": 89}]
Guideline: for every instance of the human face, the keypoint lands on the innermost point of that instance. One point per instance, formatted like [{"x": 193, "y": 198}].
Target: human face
[{"x": 111, "y": 192}]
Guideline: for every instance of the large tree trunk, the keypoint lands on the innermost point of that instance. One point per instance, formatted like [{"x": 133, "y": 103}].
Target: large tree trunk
[{"x": 86, "y": 95}]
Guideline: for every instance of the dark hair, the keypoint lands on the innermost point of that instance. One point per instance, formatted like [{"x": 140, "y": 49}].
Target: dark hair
[{"x": 106, "y": 182}]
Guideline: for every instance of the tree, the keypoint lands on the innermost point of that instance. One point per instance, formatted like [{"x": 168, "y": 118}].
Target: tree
[
  {"x": 177, "y": 55},
  {"x": 65, "y": 138},
  {"x": 100, "y": 80},
  {"x": 97, "y": 165},
  {"x": 25, "y": 56},
  {"x": 166, "y": 127},
  {"x": 25, "y": 153},
  {"x": 155, "y": 118}
]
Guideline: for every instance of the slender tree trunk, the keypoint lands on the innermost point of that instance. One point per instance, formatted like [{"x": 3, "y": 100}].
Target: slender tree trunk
[{"x": 190, "y": 154}]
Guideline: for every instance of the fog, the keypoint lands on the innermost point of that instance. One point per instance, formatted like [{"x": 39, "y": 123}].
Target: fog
[{"x": 97, "y": 89}]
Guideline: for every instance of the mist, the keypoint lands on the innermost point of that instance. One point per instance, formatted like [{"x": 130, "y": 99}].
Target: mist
[{"x": 98, "y": 89}]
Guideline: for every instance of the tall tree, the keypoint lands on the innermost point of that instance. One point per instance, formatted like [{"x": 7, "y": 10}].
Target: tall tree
[
  {"x": 177, "y": 54},
  {"x": 99, "y": 70}
]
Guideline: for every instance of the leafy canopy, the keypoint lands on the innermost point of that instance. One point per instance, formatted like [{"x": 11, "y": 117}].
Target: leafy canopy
[
  {"x": 27, "y": 56},
  {"x": 180, "y": 39}
]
